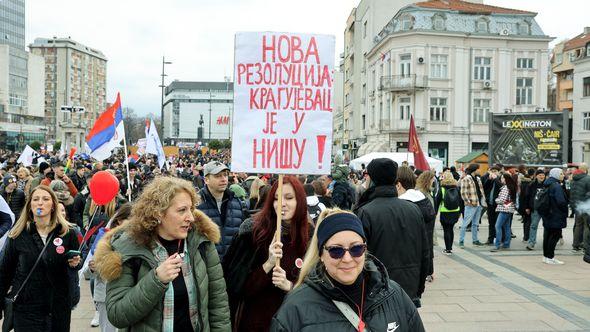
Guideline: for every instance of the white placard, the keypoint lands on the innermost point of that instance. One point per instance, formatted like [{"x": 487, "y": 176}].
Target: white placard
[{"x": 283, "y": 101}]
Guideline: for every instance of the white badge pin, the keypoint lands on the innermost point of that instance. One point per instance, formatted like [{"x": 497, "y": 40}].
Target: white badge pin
[{"x": 58, "y": 241}]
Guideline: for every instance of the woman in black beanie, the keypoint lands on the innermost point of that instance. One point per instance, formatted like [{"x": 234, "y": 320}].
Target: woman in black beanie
[{"x": 342, "y": 288}]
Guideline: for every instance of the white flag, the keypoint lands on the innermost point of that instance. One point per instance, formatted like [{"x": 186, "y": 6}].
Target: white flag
[
  {"x": 154, "y": 145},
  {"x": 29, "y": 157},
  {"x": 5, "y": 210}
]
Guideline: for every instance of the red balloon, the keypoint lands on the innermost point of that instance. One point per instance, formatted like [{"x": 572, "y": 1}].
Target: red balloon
[{"x": 104, "y": 186}]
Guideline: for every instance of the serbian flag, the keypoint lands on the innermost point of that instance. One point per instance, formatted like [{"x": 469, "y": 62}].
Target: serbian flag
[
  {"x": 133, "y": 158},
  {"x": 414, "y": 147},
  {"x": 107, "y": 133}
]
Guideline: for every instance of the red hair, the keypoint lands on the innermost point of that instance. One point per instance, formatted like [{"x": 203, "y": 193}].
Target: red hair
[{"x": 265, "y": 221}]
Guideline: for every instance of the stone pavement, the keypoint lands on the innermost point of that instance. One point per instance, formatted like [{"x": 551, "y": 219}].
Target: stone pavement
[{"x": 476, "y": 290}]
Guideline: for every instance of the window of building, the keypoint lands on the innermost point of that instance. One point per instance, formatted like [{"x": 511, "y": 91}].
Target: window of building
[
  {"x": 559, "y": 58},
  {"x": 407, "y": 22},
  {"x": 373, "y": 116},
  {"x": 347, "y": 99},
  {"x": 524, "y": 28},
  {"x": 481, "y": 108},
  {"x": 438, "y": 22},
  {"x": 405, "y": 65},
  {"x": 524, "y": 91},
  {"x": 586, "y": 87},
  {"x": 365, "y": 29},
  {"x": 524, "y": 63},
  {"x": 482, "y": 25},
  {"x": 364, "y": 119},
  {"x": 479, "y": 146},
  {"x": 438, "y": 109},
  {"x": 438, "y": 66},
  {"x": 586, "y": 116},
  {"x": 482, "y": 69},
  {"x": 404, "y": 108}
]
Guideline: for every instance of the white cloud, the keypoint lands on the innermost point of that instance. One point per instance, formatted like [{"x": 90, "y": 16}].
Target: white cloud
[{"x": 197, "y": 35}]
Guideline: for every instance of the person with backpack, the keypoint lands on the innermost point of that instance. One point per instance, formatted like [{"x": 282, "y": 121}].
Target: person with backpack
[
  {"x": 533, "y": 191},
  {"x": 448, "y": 199},
  {"x": 161, "y": 267},
  {"x": 505, "y": 207},
  {"x": 552, "y": 204},
  {"x": 343, "y": 195}
]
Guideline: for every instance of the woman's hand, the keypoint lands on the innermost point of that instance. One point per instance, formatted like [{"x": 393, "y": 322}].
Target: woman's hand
[
  {"x": 169, "y": 269},
  {"x": 275, "y": 251},
  {"x": 279, "y": 279},
  {"x": 74, "y": 261}
]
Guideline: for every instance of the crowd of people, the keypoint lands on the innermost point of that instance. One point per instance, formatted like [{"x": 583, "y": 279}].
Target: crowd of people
[{"x": 195, "y": 247}]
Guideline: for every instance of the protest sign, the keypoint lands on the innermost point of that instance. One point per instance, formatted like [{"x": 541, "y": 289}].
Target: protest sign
[{"x": 283, "y": 100}]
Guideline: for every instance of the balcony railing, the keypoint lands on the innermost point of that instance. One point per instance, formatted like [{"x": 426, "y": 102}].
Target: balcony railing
[
  {"x": 22, "y": 119},
  {"x": 404, "y": 82}
]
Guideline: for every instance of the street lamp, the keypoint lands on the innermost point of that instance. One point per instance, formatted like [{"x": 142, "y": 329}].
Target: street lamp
[{"x": 164, "y": 63}]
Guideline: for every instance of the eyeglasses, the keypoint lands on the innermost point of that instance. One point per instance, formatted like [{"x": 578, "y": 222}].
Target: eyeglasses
[{"x": 337, "y": 252}]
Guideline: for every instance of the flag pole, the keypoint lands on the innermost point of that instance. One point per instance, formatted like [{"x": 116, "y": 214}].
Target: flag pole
[
  {"x": 127, "y": 164},
  {"x": 279, "y": 214}
]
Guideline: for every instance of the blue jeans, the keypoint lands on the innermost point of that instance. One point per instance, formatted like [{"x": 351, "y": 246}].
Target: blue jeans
[
  {"x": 535, "y": 218},
  {"x": 503, "y": 228},
  {"x": 471, "y": 215}
]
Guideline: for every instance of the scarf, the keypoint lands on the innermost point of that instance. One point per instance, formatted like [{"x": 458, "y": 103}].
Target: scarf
[{"x": 187, "y": 273}]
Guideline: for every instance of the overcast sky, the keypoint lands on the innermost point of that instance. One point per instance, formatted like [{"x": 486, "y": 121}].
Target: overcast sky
[{"x": 197, "y": 35}]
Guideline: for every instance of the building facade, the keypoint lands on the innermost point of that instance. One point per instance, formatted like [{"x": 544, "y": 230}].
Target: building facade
[
  {"x": 580, "y": 47},
  {"x": 198, "y": 111},
  {"x": 21, "y": 78},
  {"x": 75, "y": 76},
  {"x": 449, "y": 63}
]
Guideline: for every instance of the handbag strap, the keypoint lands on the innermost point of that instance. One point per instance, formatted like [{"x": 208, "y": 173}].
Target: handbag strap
[
  {"x": 347, "y": 311},
  {"x": 34, "y": 266}
]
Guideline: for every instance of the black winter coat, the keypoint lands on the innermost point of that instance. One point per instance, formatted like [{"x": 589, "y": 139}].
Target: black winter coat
[
  {"x": 580, "y": 190},
  {"x": 16, "y": 201},
  {"x": 310, "y": 308},
  {"x": 529, "y": 198},
  {"x": 46, "y": 293},
  {"x": 229, "y": 219},
  {"x": 490, "y": 189},
  {"x": 343, "y": 195},
  {"x": 396, "y": 235},
  {"x": 557, "y": 218}
]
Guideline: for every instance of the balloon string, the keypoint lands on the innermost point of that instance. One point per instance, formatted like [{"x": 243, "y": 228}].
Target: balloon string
[{"x": 89, "y": 223}]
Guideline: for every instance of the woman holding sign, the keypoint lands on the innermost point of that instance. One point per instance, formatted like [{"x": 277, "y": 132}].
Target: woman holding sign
[
  {"x": 161, "y": 267},
  {"x": 256, "y": 285},
  {"x": 39, "y": 251},
  {"x": 342, "y": 288}
]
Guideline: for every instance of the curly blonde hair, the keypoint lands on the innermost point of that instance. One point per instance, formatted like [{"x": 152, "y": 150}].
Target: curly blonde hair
[{"x": 151, "y": 206}]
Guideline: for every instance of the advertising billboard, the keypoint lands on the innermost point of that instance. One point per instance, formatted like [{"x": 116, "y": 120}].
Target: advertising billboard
[{"x": 533, "y": 139}]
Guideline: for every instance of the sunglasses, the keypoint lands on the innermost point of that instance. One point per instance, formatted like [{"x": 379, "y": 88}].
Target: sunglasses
[{"x": 337, "y": 252}]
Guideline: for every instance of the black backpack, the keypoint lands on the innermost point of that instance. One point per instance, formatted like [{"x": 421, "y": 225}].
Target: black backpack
[
  {"x": 451, "y": 198},
  {"x": 543, "y": 201}
]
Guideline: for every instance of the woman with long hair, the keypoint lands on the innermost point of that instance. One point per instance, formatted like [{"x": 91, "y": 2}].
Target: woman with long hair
[
  {"x": 43, "y": 303},
  {"x": 505, "y": 207},
  {"x": 254, "y": 197},
  {"x": 161, "y": 267},
  {"x": 342, "y": 288},
  {"x": 24, "y": 180},
  {"x": 448, "y": 201},
  {"x": 256, "y": 286}
]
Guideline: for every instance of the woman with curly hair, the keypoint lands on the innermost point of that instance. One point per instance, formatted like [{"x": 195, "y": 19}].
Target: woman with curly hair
[
  {"x": 256, "y": 286},
  {"x": 161, "y": 267}
]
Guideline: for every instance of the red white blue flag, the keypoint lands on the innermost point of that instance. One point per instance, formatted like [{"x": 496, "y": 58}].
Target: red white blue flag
[{"x": 107, "y": 133}]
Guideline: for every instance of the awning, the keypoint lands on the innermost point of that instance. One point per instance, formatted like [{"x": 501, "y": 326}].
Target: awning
[{"x": 373, "y": 147}]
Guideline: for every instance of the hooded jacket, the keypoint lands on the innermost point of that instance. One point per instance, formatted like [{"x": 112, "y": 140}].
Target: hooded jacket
[
  {"x": 557, "y": 218},
  {"x": 422, "y": 202},
  {"x": 134, "y": 298},
  {"x": 229, "y": 219},
  {"x": 310, "y": 308},
  {"x": 396, "y": 235}
]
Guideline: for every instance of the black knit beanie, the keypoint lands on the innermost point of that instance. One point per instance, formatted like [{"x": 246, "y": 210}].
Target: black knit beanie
[
  {"x": 383, "y": 171},
  {"x": 338, "y": 222}
]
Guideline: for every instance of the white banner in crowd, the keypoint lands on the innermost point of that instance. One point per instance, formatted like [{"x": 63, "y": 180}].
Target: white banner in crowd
[
  {"x": 283, "y": 101},
  {"x": 29, "y": 157}
]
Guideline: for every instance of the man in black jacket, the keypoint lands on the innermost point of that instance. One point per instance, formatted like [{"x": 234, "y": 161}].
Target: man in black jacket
[
  {"x": 533, "y": 188},
  {"x": 491, "y": 187},
  {"x": 395, "y": 229},
  {"x": 12, "y": 195}
]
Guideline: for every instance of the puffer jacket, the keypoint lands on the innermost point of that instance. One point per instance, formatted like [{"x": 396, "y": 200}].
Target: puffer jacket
[
  {"x": 396, "y": 235},
  {"x": 343, "y": 195},
  {"x": 16, "y": 201},
  {"x": 229, "y": 219},
  {"x": 134, "y": 297},
  {"x": 580, "y": 190},
  {"x": 557, "y": 218},
  {"x": 310, "y": 308}
]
